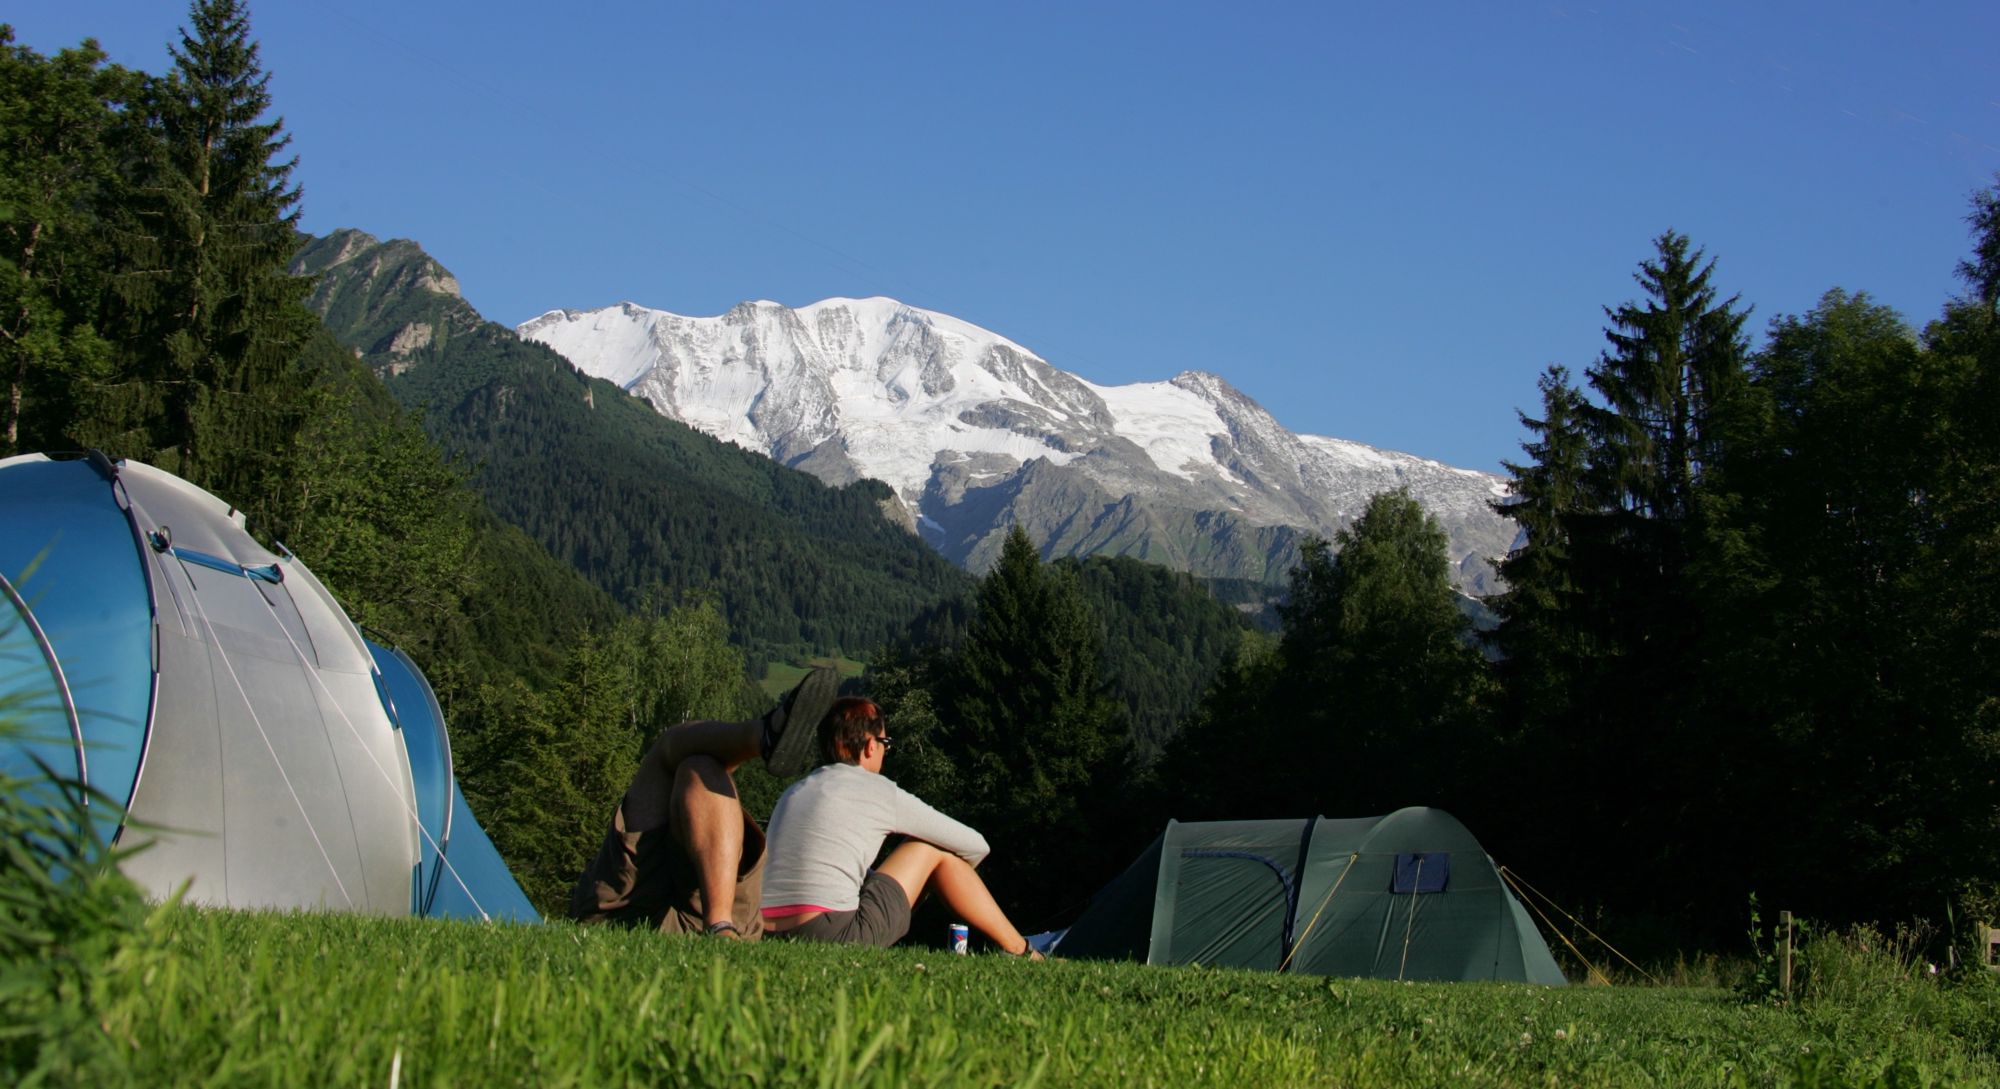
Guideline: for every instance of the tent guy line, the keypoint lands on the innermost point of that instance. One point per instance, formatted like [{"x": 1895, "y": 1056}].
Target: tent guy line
[
  {"x": 1314, "y": 921},
  {"x": 215, "y": 641},
  {"x": 408, "y": 807},
  {"x": 1519, "y": 884},
  {"x": 1410, "y": 926}
]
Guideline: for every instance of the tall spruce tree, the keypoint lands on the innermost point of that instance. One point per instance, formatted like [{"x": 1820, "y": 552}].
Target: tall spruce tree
[
  {"x": 1538, "y": 638},
  {"x": 212, "y": 324},
  {"x": 1036, "y": 737},
  {"x": 1636, "y": 583},
  {"x": 1672, "y": 383}
]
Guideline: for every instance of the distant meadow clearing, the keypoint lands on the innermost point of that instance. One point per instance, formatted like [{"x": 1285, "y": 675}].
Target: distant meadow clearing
[{"x": 227, "y": 998}]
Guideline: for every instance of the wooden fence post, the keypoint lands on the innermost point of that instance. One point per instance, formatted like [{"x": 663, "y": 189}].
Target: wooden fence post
[{"x": 1785, "y": 965}]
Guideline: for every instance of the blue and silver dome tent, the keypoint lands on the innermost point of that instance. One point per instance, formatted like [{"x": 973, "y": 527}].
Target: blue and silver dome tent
[{"x": 219, "y": 695}]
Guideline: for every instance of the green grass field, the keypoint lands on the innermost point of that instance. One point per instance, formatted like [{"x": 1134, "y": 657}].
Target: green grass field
[{"x": 226, "y": 999}]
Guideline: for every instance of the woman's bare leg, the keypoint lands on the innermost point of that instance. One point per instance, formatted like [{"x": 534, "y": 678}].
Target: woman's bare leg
[{"x": 916, "y": 865}]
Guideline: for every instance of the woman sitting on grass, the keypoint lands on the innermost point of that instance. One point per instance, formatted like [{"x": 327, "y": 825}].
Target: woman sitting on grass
[{"x": 830, "y": 825}]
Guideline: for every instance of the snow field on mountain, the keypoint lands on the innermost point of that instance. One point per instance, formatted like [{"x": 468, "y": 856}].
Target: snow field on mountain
[{"x": 893, "y": 429}]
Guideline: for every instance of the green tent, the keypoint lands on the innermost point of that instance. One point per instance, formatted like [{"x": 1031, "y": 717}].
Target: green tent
[{"x": 1407, "y": 896}]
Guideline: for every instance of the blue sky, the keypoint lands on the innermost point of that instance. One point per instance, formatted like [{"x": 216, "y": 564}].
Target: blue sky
[{"x": 1380, "y": 221}]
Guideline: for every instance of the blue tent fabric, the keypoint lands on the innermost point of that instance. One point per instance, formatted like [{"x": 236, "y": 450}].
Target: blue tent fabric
[
  {"x": 460, "y": 874},
  {"x": 217, "y": 694},
  {"x": 1421, "y": 871},
  {"x": 476, "y": 870},
  {"x": 78, "y": 649}
]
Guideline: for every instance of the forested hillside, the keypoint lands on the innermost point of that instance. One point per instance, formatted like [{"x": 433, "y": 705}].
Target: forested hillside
[
  {"x": 1162, "y": 636},
  {"x": 636, "y": 502}
]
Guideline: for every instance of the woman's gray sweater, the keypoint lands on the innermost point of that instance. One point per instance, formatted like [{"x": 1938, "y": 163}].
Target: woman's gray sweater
[{"x": 828, "y": 827}]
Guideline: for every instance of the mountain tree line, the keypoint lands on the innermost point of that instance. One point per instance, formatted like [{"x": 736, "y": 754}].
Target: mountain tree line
[
  {"x": 1746, "y": 647},
  {"x": 1748, "y": 643}
]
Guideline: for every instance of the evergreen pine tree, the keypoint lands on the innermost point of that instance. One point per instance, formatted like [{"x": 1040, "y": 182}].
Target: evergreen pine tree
[
  {"x": 1538, "y": 637},
  {"x": 1036, "y": 738},
  {"x": 1638, "y": 591},
  {"x": 212, "y": 324},
  {"x": 1675, "y": 367}
]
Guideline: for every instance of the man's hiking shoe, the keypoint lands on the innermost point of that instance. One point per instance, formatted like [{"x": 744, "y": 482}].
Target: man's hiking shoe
[{"x": 791, "y": 730}]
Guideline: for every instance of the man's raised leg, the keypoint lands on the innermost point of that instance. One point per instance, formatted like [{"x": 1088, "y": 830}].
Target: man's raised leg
[
  {"x": 684, "y": 782},
  {"x": 727, "y": 744},
  {"x": 710, "y": 830}
]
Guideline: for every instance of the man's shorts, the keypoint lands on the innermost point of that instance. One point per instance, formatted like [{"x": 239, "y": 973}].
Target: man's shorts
[
  {"x": 647, "y": 879},
  {"x": 882, "y": 918}
]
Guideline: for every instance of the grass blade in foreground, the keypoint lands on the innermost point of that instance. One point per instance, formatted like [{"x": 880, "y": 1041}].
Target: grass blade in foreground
[{"x": 334, "y": 1000}]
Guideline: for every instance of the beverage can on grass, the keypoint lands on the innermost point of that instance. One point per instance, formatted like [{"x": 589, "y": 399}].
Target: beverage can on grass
[{"x": 961, "y": 939}]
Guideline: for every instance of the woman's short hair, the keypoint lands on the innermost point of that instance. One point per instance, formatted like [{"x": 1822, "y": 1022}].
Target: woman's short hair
[{"x": 847, "y": 727}]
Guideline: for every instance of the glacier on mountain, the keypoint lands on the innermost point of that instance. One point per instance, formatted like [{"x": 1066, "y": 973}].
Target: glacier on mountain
[{"x": 975, "y": 433}]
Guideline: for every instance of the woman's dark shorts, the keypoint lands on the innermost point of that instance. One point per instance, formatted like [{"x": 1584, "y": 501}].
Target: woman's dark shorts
[{"x": 882, "y": 918}]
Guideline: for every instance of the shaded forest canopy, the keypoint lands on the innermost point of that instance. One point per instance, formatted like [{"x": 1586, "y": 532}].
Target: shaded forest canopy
[{"x": 1751, "y": 642}]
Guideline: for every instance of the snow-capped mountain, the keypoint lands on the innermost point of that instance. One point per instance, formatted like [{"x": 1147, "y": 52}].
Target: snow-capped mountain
[{"x": 975, "y": 432}]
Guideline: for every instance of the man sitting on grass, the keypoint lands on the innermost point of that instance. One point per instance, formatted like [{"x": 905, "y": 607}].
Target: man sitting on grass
[
  {"x": 828, "y": 827},
  {"x": 681, "y": 854}
]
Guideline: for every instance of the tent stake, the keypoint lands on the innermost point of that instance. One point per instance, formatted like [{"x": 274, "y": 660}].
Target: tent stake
[{"x": 1785, "y": 968}]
